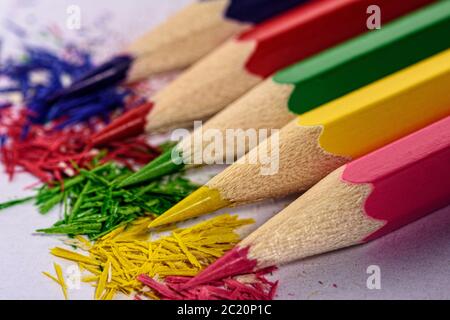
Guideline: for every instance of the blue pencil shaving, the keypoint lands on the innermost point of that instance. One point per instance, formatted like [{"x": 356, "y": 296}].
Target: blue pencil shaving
[
  {"x": 10, "y": 89},
  {"x": 3, "y": 139},
  {"x": 101, "y": 104},
  {"x": 25, "y": 130}
]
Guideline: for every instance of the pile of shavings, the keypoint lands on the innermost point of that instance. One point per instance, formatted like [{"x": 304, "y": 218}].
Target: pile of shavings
[
  {"x": 52, "y": 155},
  {"x": 40, "y": 74},
  {"x": 116, "y": 260},
  {"x": 94, "y": 204},
  {"x": 253, "y": 286},
  {"x": 48, "y": 135}
]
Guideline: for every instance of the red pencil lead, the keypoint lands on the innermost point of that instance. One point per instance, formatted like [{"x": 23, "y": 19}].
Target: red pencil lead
[
  {"x": 129, "y": 125},
  {"x": 235, "y": 262}
]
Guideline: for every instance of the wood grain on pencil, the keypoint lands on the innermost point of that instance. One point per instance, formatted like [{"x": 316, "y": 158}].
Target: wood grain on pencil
[
  {"x": 183, "y": 39},
  {"x": 204, "y": 89}
]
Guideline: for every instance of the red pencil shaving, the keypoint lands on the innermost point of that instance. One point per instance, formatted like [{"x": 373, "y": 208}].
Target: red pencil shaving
[{"x": 253, "y": 286}]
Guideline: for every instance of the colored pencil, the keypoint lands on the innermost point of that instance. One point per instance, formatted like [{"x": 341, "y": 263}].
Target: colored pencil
[
  {"x": 321, "y": 140},
  {"x": 313, "y": 82},
  {"x": 359, "y": 202},
  {"x": 183, "y": 39},
  {"x": 240, "y": 64}
]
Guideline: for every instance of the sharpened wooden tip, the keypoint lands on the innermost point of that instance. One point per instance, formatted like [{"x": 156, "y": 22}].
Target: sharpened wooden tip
[
  {"x": 328, "y": 217},
  {"x": 300, "y": 158},
  {"x": 183, "y": 39},
  {"x": 204, "y": 89},
  {"x": 263, "y": 108}
]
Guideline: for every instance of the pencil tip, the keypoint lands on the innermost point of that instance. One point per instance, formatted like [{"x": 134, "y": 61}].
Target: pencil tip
[
  {"x": 128, "y": 125},
  {"x": 161, "y": 166},
  {"x": 202, "y": 201},
  {"x": 235, "y": 262},
  {"x": 104, "y": 76}
]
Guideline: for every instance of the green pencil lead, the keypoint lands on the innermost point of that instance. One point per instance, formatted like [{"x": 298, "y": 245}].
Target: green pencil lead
[
  {"x": 161, "y": 166},
  {"x": 66, "y": 207},
  {"x": 47, "y": 205},
  {"x": 94, "y": 177},
  {"x": 167, "y": 146},
  {"x": 107, "y": 202},
  {"x": 73, "y": 229},
  {"x": 79, "y": 201},
  {"x": 90, "y": 205}
]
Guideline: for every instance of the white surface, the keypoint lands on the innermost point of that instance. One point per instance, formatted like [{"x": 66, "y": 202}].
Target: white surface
[{"x": 414, "y": 262}]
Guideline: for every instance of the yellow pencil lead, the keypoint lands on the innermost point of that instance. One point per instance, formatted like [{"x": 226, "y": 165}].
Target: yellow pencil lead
[{"x": 202, "y": 201}]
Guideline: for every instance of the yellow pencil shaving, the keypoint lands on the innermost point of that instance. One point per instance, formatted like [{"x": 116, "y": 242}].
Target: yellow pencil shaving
[
  {"x": 103, "y": 280},
  {"x": 113, "y": 233},
  {"x": 79, "y": 242},
  {"x": 109, "y": 294},
  {"x": 50, "y": 276},
  {"x": 59, "y": 279},
  {"x": 89, "y": 278},
  {"x": 212, "y": 252},
  {"x": 73, "y": 256},
  {"x": 188, "y": 254},
  {"x": 84, "y": 241},
  {"x": 118, "y": 258},
  {"x": 115, "y": 264},
  {"x": 94, "y": 270},
  {"x": 60, "y": 276},
  {"x": 133, "y": 256},
  {"x": 150, "y": 250},
  {"x": 174, "y": 257},
  {"x": 127, "y": 264}
]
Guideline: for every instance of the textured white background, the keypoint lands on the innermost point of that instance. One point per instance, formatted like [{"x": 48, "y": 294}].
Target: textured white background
[{"x": 414, "y": 262}]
